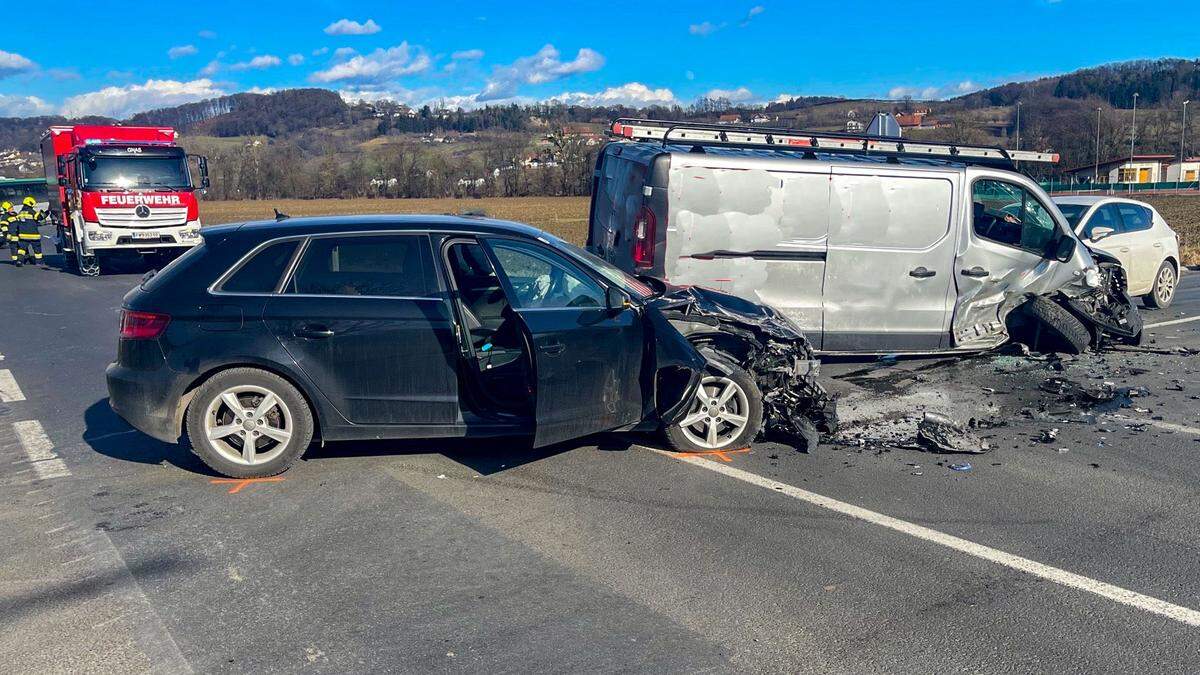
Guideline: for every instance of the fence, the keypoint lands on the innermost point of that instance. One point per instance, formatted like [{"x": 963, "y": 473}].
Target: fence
[{"x": 1119, "y": 188}]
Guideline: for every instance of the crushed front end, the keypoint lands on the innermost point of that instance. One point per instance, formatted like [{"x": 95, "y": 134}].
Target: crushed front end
[
  {"x": 729, "y": 330},
  {"x": 1103, "y": 302}
]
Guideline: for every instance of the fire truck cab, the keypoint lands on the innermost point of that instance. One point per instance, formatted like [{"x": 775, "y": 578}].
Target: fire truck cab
[{"x": 120, "y": 191}]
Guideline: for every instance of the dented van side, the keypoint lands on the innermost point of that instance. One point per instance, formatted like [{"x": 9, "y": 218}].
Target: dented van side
[{"x": 863, "y": 255}]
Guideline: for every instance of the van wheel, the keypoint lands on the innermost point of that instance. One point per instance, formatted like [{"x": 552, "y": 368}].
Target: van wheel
[
  {"x": 1163, "y": 291},
  {"x": 725, "y": 414},
  {"x": 248, "y": 423},
  {"x": 1056, "y": 329}
]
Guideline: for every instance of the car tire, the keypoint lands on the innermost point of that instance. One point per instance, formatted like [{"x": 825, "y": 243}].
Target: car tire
[
  {"x": 735, "y": 418},
  {"x": 1056, "y": 329},
  {"x": 278, "y": 433},
  {"x": 1162, "y": 293}
]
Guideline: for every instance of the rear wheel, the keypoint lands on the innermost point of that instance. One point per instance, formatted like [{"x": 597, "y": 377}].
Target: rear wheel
[
  {"x": 1163, "y": 292},
  {"x": 248, "y": 423},
  {"x": 726, "y": 413}
]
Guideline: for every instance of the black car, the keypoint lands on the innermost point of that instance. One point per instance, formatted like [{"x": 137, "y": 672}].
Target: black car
[{"x": 269, "y": 334}]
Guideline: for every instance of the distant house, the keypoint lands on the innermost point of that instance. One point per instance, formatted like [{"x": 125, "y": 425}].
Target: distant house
[
  {"x": 917, "y": 119},
  {"x": 1138, "y": 169},
  {"x": 854, "y": 126},
  {"x": 729, "y": 119},
  {"x": 760, "y": 119},
  {"x": 1187, "y": 172}
]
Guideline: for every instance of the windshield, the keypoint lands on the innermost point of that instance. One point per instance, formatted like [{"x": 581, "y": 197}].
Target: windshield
[
  {"x": 612, "y": 273},
  {"x": 1073, "y": 212},
  {"x": 132, "y": 173}
]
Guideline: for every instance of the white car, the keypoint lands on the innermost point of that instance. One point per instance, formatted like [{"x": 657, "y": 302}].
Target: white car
[{"x": 1136, "y": 235}]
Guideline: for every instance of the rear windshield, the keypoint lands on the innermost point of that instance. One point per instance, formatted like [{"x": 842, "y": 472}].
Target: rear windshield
[
  {"x": 1073, "y": 212},
  {"x": 174, "y": 268}
]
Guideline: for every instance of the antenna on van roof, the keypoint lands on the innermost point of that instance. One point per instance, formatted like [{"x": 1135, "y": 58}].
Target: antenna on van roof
[
  {"x": 698, "y": 134},
  {"x": 279, "y": 215}
]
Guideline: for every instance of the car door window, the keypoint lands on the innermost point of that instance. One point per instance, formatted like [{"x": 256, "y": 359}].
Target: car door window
[
  {"x": 1105, "y": 216},
  {"x": 1009, "y": 214},
  {"x": 261, "y": 273},
  {"x": 396, "y": 265},
  {"x": 541, "y": 279},
  {"x": 1134, "y": 218}
]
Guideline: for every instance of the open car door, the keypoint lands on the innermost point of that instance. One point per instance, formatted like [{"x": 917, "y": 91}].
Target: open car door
[{"x": 587, "y": 356}]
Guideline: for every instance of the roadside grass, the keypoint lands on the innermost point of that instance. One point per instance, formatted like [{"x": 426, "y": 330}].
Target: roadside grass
[
  {"x": 565, "y": 217},
  {"x": 1182, "y": 213}
]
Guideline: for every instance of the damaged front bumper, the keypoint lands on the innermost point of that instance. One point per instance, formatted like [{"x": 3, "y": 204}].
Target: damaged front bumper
[
  {"x": 730, "y": 331},
  {"x": 1105, "y": 304}
]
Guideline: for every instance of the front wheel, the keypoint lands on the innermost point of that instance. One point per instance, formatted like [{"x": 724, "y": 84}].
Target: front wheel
[
  {"x": 725, "y": 414},
  {"x": 1163, "y": 291},
  {"x": 249, "y": 423}
]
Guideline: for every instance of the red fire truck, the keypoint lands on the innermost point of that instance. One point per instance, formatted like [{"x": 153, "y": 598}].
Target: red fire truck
[{"x": 120, "y": 191}]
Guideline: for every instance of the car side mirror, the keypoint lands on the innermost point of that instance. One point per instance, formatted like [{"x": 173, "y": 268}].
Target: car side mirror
[
  {"x": 1064, "y": 248},
  {"x": 1099, "y": 233},
  {"x": 615, "y": 300}
]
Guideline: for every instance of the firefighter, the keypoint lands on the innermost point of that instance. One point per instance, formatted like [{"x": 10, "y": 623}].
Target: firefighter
[
  {"x": 8, "y": 232},
  {"x": 29, "y": 237}
]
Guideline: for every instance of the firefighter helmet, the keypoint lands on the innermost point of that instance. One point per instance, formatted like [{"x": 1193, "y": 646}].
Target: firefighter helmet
[
  {"x": 5, "y": 206},
  {"x": 29, "y": 201}
]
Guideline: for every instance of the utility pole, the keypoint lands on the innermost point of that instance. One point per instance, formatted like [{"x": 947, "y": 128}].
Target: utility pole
[
  {"x": 1096, "y": 177},
  {"x": 1018, "y": 125},
  {"x": 1132, "y": 136},
  {"x": 1182, "y": 136}
]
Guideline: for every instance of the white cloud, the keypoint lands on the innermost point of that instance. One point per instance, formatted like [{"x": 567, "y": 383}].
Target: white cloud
[
  {"x": 180, "y": 51},
  {"x": 633, "y": 94},
  {"x": 739, "y": 95},
  {"x": 257, "y": 63},
  {"x": 11, "y": 64},
  {"x": 544, "y": 66},
  {"x": 212, "y": 68},
  {"x": 295, "y": 59},
  {"x": 348, "y": 27},
  {"x": 754, "y": 11},
  {"x": 121, "y": 102},
  {"x": 467, "y": 55},
  {"x": 261, "y": 90},
  {"x": 705, "y": 28},
  {"x": 966, "y": 87},
  {"x": 380, "y": 65},
  {"x": 320, "y": 50},
  {"x": 929, "y": 93},
  {"x": 784, "y": 98},
  {"x": 343, "y": 53},
  {"x": 23, "y": 106},
  {"x": 207, "y": 34}
]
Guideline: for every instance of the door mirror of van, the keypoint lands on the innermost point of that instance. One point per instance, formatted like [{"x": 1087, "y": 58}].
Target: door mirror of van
[
  {"x": 615, "y": 300},
  {"x": 1064, "y": 248},
  {"x": 1099, "y": 233}
]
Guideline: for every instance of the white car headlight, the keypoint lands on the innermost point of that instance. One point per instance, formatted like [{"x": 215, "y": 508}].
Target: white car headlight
[{"x": 1091, "y": 277}]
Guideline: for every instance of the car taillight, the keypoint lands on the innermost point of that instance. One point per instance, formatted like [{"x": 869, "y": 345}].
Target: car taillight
[
  {"x": 643, "y": 238},
  {"x": 142, "y": 325}
]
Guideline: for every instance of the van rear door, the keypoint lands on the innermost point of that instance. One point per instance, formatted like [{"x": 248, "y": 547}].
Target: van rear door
[{"x": 888, "y": 281}]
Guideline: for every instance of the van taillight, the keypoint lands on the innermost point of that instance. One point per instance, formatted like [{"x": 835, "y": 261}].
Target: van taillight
[
  {"x": 643, "y": 238},
  {"x": 142, "y": 325}
]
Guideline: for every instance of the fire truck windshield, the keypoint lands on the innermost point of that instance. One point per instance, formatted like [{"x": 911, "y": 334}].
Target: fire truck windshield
[{"x": 136, "y": 173}]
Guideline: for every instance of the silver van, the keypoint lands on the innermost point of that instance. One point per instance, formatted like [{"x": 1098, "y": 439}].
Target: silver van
[{"x": 869, "y": 244}]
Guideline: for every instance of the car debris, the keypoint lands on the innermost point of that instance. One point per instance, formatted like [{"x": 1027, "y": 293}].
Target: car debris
[
  {"x": 766, "y": 344},
  {"x": 938, "y": 433},
  {"x": 961, "y": 466}
]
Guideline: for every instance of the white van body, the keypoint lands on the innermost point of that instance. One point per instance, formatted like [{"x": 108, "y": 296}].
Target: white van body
[{"x": 863, "y": 253}]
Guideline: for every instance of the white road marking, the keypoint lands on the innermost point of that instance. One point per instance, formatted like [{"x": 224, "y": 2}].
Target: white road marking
[
  {"x": 1169, "y": 426},
  {"x": 40, "y": 450},
  {"x": 1178, "y": 613},
  {"x": 10, "y": 392},
  {"x": 1171, "y": 323}
]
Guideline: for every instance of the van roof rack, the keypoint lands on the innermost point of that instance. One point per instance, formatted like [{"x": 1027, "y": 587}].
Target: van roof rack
[{"x": 741, "y": 136}]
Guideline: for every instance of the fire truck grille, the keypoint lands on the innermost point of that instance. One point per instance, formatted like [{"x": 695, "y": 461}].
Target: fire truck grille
[{"x": 158, "y": 217}]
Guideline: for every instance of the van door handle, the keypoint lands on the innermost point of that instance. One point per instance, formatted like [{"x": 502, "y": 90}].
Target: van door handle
[
  {"x": 313, "y": 332},
  {"x": 976, "y": 271},
  {"x": 921, "y": 273},
  {"x": 552, "y": 349}
]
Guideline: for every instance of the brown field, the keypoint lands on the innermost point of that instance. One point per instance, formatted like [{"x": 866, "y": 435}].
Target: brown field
[
  {"x": 567, "y": 216},
  {"x": 562, "y": 216}
]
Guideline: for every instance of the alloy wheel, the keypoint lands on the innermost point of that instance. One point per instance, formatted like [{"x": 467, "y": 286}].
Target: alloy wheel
[
  {"x": 248, "y": 424},
  {"x": 718, "y": 415},
  {"x": 1164, "y": 290}
]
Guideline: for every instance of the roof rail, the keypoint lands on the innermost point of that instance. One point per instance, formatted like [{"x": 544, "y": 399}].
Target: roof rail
[{"x": 741, "y": 136}]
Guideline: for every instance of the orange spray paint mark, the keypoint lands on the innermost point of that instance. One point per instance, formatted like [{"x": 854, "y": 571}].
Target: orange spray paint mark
[
  {"x": 236, "y": 484},
  {"x": 723, "y": 455}
]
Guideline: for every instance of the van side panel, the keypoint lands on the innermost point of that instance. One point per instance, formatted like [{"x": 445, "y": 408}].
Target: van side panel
[
  {"x": 889, "y": 277},
  {"x": 756, "y": 233}
]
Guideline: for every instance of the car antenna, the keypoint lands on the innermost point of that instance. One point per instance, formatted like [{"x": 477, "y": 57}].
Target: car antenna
[{"x": 280, "y": 215}]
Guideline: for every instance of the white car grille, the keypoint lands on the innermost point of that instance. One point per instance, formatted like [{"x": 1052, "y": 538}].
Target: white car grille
[{"x": 159, "y": 217}]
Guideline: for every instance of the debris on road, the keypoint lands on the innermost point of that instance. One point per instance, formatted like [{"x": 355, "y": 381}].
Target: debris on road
[
  {"x": 938, "y": 433},
  {"x": 961, "y": 466}
]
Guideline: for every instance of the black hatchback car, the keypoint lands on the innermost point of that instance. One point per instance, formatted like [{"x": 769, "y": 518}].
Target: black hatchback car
[{"x": 269, "y": 334}]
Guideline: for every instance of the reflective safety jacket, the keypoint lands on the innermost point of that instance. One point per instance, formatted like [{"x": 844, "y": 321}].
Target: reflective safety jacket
[{"x": 27, "y": 223}]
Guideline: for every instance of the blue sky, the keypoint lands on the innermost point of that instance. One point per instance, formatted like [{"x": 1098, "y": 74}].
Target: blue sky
[{"x": 151, "y": 54}]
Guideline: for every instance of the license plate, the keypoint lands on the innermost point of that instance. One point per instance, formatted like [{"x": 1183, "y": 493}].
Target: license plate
[{"x": 145, "y": 235}]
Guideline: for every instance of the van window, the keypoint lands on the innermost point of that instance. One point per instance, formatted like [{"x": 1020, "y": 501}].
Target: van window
[
  {"x": 1135, "y": 218},
  {"x": 1009, "y": 214},
  {"x": 394, "y": 265},
  {"x": 896, "y": 212},
  {"x": 261, "y": 273}
]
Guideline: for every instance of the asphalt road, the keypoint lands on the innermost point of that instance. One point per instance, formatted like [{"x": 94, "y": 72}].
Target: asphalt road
[{"x": 127, "y": 555}]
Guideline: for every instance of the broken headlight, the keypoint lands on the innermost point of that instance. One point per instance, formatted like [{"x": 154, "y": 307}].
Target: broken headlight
[{"x": 1091, "y": 277}]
